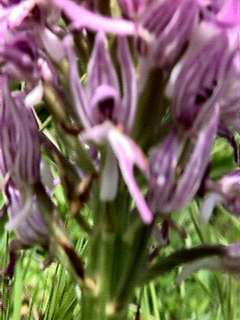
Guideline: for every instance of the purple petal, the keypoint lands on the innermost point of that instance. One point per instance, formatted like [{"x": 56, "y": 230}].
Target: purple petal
[
  {"x": 230, "y": 14},
  {"x": 129, "y": 80},
  {"x": 199, "y": 79},
  {"x": 16, "y": 14},
  {"x": 102, "y": 88},
  {"x": 163, "y": 165},
  {"x": 83, "y": 18},
  {"x": 171, "y": 23},
  {"x": 20, "y": 54},
  {"x": 128, "y": 155},
  {"x": 19, "y": 140},
  {"x": 191, "y": 179},
  {"x": 52, "y": 44},
  {"x": 100, "y": 67},
  {"x": 228, "y": 188},
  {"x": 77, "y": 91},
  {"x": 25, "y": 218}
]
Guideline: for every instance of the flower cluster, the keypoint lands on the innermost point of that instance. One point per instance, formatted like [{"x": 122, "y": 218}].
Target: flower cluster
[{"x": 150, "y": 89}]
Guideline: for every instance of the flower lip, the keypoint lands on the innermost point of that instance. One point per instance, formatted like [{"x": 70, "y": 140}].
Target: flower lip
[{"x": 104, "y": 104}]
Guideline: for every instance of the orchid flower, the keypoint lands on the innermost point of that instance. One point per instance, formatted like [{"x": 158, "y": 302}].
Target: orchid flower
[
  {"x": 20, "y": 165},
  {"x": 102, "y": 99},
  {"x": 26, "y": 218},
  {"x": 225, "y": 191},
  {"x": 170, "y": 23},
  {"x": 19, "y": 144},
  {"x": 167, "y": 194},
  {"x": 200, "y": 79},
  {"x": 24, "y": 210},
  {"x": 209, "y": 71},
  {"x": 101, "y": 108}
]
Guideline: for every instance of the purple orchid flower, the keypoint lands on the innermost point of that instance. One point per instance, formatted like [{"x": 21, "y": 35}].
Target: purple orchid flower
[
  {"x": 102, "y": 99},
  {"x": 167, "y": 194},
  {"x": 25, "y": 217},
  {"x": 200, "y": 79},
  {"x": 224, "y": 191},
  {"x": 19, "y": 140},
  {"x": 102, "y": 110},
  {"x": 20, "y": 166},
  {"x": 20, "y": 55},
  {"x": 197, "y": 82},
  {"x": 170, "y": 23},
  {"x": 27, "y": 45}
]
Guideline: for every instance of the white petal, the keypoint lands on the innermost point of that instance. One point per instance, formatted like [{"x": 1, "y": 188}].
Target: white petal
[
  {"x": 34, "y": 96},
  {"x": 209, "y": 203}
]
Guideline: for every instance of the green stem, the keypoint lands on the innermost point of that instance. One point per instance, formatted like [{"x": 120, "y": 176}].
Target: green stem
[
  {"x": 137, "y": 254},
  {"x": 151, "y": 109}
]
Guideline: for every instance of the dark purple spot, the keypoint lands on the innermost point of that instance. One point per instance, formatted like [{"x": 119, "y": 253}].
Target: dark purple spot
[
  {"x": 25, "y": 47},
  {"x": 106, "y": 109},
  {"x": 206, "y": 93}
]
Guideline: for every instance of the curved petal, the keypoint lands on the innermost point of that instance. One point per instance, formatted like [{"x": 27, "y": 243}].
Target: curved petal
[
  {"x": 163, "y": 165},
  {"x": 200, "y": 79},
  {"x": 129, "y": 81},
  {"x": 83, "y": 18},
  {"x": 77, "y": 91},
  {"x": 19, "y": 140},
  {"x": 191, "y": 179},
  {"x": 128, "y": 155},
  {"x": 102, "y": 75}
]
